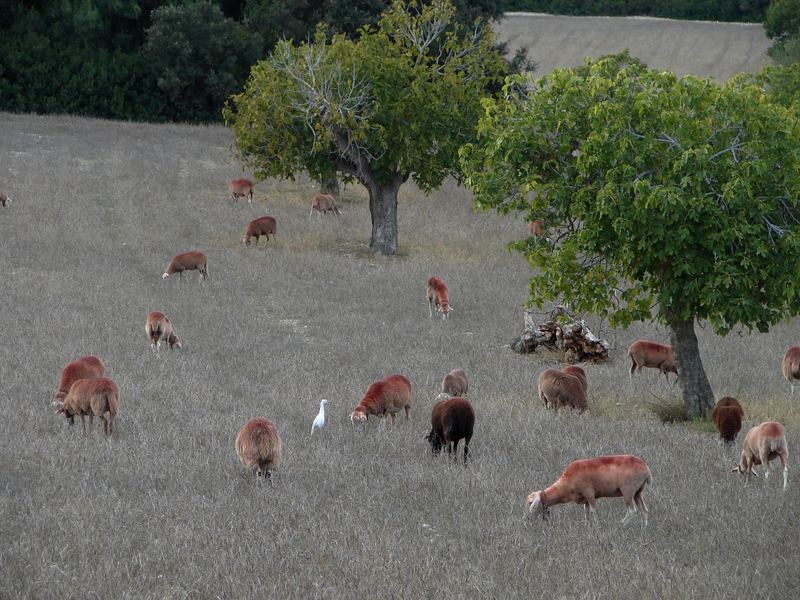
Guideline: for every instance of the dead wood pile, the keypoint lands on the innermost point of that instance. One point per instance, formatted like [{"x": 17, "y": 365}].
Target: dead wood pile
[{"x": 573, "y": 338}]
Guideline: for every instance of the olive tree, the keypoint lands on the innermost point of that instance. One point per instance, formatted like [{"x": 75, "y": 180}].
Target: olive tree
[
  {"x": 394, "y": 104},
  {"x": 663, "y": 197}
]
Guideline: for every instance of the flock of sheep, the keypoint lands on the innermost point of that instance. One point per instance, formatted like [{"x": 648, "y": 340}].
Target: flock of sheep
[{"x": 84, "y": 390}]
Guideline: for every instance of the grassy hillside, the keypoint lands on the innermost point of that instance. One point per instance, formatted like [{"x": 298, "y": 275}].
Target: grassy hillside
[
  {"x": 164, "y": 509},
  {"x": 704, "y": 48}
]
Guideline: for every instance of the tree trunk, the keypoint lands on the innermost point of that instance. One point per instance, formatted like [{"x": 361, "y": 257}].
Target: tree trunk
[
  {"x": 383, "y": 210},
  {"x": 698, "y": 398},
  {"x": 330, "y": 185}
]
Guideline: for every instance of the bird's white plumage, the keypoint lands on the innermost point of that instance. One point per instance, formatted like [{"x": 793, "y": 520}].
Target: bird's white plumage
[{"x": 319, "y": 420}]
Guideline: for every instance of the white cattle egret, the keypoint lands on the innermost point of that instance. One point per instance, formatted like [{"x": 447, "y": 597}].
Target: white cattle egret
[{"x": 319, "y": 420}]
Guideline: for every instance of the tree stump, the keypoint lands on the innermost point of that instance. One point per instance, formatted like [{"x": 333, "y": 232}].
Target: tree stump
[{"x": 573, "y": 338}]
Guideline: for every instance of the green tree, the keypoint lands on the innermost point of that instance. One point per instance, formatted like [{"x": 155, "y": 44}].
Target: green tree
[
  {"x": 782, "y": 24},
  {"x": 663, "y": 197},
  {"x": 394, "y": 104},
  {"x": 199, "y": 57},
  {"x": 781, "y": 83}
]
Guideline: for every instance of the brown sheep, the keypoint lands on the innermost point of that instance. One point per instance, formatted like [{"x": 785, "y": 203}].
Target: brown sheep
[
  {"x": 4, "y": 199},
  {"x": 559, "y": 389},
  {"x": 727, "y": 416},
  {"x": 388, "y": 395},
  {"x": 323, "y": 203},
  {"x": 451, "y": 421},
  {"x": 455, "y": 383},
  {"x": 86, "y": 367},
  {"x": 762, "y": 444},
  {"x": 644, "y": 353},
  {"x": 258, "y": 446},
  {"x": 536, "y": 227},
  {"x": 790, "y": 366},
  {"x": 583, "y": 481},
  {"x": 93, "y": 397},
  {"x": 438, "y": 297},
  {"x": 187, "y": 261},
  {"x": 160, "y": 329},
  {"x": 241, "y": 188},
  {"x": 576, "y": 371},
  {"x": 258, "y": 227}
]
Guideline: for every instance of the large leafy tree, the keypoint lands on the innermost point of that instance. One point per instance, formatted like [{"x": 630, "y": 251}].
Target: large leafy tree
[
  {"x": 394, "y": 104},
  {"x": 198, "y": 56},
  {"x": 663, "y": 197}
]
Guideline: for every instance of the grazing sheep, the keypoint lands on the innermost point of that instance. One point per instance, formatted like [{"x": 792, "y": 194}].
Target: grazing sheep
[
  {"x": 160, "y": 329},
  {"x": 319, "y": 420},
  {"x": 4, "y": 199},
  {"x": 583, "y": 481},
  {"x": 727, "y": 416},
  {"x": 259, "y": 446},
  {"x": 536, "y": 227},
  {"x": 576, "y": 371},
  {"x": 438, "y": 297},
  {"x": 790, "y": 366},
  {"x": 644, "y": 353},
  {"x": 93, "y": 397},
  {"x": 455, "y": 383},
  {"x": 86, "y": 367},
  {"x": 452, "y": 420},
  {"x": 761, "y": 444},
  {"x": 388, "y": 395},
  {"x": 323, "y": 203},
  {"x": 559, "y": 389},
  {"x": 187, "y": 261},
  {"x": 258, "y": 227},
  {"x": 241, "y": 188}
]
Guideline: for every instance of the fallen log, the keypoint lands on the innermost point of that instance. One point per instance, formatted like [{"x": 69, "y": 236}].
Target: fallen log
[{"x": 573, "y": 338}]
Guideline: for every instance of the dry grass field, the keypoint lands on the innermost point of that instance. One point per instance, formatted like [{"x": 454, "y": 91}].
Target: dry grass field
[
  {"x": 164, "y": 509},
  {"x": 703, "y": 48}
]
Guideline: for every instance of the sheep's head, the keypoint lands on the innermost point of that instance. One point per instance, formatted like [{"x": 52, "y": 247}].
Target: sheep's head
[
  {"x": 444, "y": 309},
  {"x": 358, "y": 416},
  {"x": 434, "y": 441},
  {"x": 246, "y": 240},
  {"x": 174, "y": 341},
  {"x": 535, "y": 506},
  {"x": 165, "y": 275}
]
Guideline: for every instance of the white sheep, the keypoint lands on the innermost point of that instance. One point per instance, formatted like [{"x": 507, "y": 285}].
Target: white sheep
[{"x": 761, "y": 444}]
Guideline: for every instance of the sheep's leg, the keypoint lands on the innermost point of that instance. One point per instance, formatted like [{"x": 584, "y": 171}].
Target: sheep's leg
[
  {"x": 408, "y": 412},
  {"x": 630, "y": 512},
  {"x": 430, "y": 309},
  {"x": 105, "y": 424},
  {"x": 83, "y": 424},
  {"x": 765, "y": 463},
  {"x": 637, "y": 497},
  {"x": 633, "y": 368},
  {"x": 785, "y": 472},
  {"x": 466, "y": 452}
]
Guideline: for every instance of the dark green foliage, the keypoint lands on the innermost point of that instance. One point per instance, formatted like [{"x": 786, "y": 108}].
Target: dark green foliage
[
  {"x": 76, "y": 57},
  {"x": 710, "y": 10},
  {"x": 199, "y": 57},
  {"x": 782, "y": 23}
]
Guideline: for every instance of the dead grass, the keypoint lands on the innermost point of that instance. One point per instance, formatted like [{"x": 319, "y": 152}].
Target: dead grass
[
  {"x": 164, "y": 510},
  {"x": 703, "y": 48}
]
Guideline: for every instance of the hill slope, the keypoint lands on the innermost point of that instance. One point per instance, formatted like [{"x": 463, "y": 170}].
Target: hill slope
[{"x": 704, "y": 48}]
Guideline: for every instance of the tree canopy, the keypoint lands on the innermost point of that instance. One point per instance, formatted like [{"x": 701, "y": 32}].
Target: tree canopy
[
  {"x": 662, "y": 196},
  {"x": 395, "y": 104}
]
